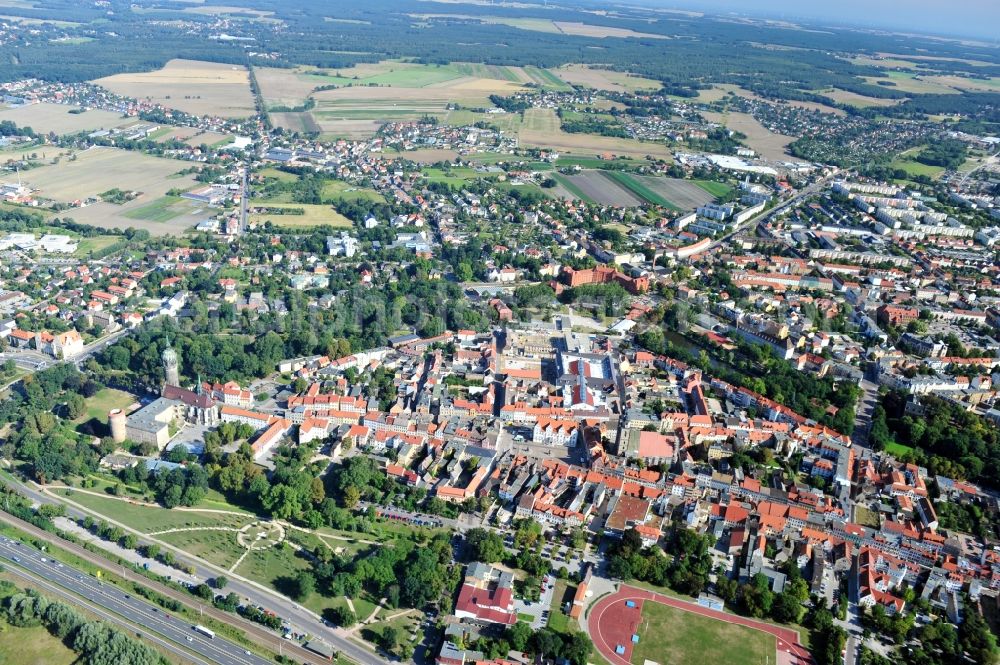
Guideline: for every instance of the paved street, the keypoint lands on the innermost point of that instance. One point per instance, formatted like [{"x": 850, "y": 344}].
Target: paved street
[
  {"x": 257, "y": 594},
  {"x": 125, "y": 610}
]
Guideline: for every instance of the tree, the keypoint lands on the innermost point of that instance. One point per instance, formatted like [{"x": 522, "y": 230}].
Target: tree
[
  {"x": 343, "y": 616},
  {"x": 351, "y": 497},
  {"x": 485, "y": 545},
  {"x": 390, "y": 638},
  {"x": 220, "y": 582},
  {"x": 302, "y": 585}
]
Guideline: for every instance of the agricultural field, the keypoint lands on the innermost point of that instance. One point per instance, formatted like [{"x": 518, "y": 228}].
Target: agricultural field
[
  {"x": 854, "y": 99},
  {"x": 966, "y": 84},
  {"x": 668, "y": 635},
  {"x": 600, "y": 187},
  {"x": 313, "y": 215},
  {"x": 604, "y": 79},
  {"x": 541, "y": 130},
  {"x": 370, "y": 94},
  {"x": 556, "y": 27},
  {"x": 58, "y": 119},
  {"x": 161, "y": 210},
  {"x": 192, "y": 86},
  {"x": 96, "y": 170},
  {"x": 767, "y": 144},
  {"x": 913, "y": 83}
]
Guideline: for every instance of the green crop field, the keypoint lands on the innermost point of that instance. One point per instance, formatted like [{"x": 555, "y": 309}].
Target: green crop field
[
  {"x": 639, "y": 189},
  {"x": 571, "y": 187},
  {"x": 669, "y": 635}
]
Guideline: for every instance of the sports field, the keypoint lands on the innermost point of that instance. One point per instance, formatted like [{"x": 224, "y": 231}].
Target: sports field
[
  {"x": 668, "y": 635},
  {"x": 192, "y": 86},
  {"x": 635, "y": 626}
]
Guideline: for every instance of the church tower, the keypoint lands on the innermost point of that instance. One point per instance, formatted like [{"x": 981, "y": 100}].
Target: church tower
[{"x": 170, "y": 364}]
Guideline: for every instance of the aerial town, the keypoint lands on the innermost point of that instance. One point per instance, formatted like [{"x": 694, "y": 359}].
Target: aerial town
[{"x": 584, "y": 372}]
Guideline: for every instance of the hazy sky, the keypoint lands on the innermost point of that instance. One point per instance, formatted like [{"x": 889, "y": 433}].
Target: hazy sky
[{"x": 979, "y": 18}]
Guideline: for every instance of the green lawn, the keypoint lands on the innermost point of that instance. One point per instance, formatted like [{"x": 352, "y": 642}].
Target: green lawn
[
  {"x": 95, "y": 244},
  {"x": 668, "y": 635},
  {"x": 898, "y": 449},
  {"x": 157, "y": 211},
  {"x": 716, "y": 189},
  {"x": 104, "y": 401},
  {"x": 338, "y": 190},
  {"x": 148, "y": 519},
  {"x": 218, "y": 547},
  {"x": 456, "y": 176},
  {"x": 561, "y": 594},
  {"x": 32, "y": 646},
  {"x": 915, "y": 168}
]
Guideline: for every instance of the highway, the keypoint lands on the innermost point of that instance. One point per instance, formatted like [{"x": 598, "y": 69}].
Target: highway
[
  {"x": 256, "y": 594},
  {"x": 125, "y": 610}
]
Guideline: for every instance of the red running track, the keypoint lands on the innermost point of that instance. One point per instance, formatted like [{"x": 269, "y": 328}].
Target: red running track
[{"x": 602, "y": 622}]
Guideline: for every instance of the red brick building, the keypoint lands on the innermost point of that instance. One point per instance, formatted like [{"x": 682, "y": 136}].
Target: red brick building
[{"x": 605, "y": 275}]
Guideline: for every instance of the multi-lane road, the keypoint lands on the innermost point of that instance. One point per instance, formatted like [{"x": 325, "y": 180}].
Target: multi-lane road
[
  {"x": 123, "y": 609},
  {"x": 254, "y": 593}
]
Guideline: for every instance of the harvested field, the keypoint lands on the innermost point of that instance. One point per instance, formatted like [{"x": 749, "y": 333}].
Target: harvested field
[
  {"x": 965, "y": 83},
  {"x": 768, "y": 144},
  {"x": 370, "y": 94},
  {"x": 99, "y": 169},
  {"x": 295, "y": 122},
  {"x": 541, "y": 130},
  {"x": 313, "y": 215},
  {"x": 605, "y": 79},
  {"x": 598, "y": 187},
  {"x": 912, "y": 83},
  {"x": 683, "y": 194},
  {"x": 57, "y": 118},
  {"x": 283, "y": 87},
  {"x": 559, "y": 27},
  {"x": 854, "y": 99},
  {"x": 192, "y": 86}
]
